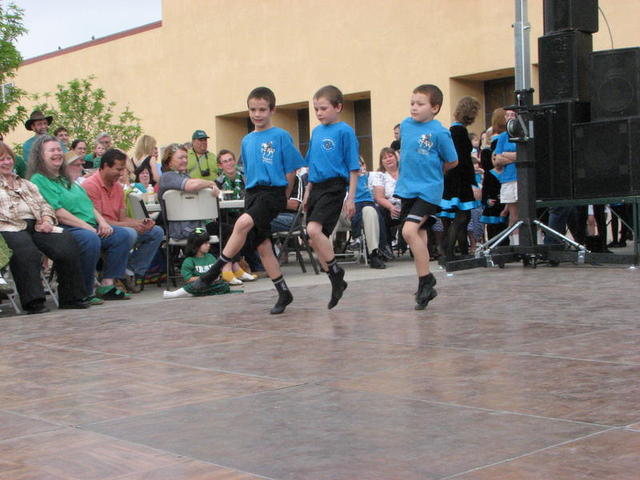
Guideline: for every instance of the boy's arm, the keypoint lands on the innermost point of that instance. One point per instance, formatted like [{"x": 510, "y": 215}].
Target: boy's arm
[
  {"x": 349, "y": 207},
  {"x": 291, "y": 178},
  {"x": 449, "y": 165}
]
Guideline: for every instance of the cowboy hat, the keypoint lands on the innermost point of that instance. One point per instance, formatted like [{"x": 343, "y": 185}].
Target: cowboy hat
[{"x": 37, "y": 115}]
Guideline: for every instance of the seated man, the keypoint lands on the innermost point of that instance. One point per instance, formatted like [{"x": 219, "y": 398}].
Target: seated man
[
  {"x": 107, "y": 195},
  {"x": 230, "y": 182},
  {"x": 367, "y": 215}
]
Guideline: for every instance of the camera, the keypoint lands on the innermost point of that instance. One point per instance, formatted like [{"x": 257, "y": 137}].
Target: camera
[{"x": 205, "y": 173}]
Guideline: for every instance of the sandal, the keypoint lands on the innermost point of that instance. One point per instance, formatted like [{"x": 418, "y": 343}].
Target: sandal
[{"x": 112, "y": 293}]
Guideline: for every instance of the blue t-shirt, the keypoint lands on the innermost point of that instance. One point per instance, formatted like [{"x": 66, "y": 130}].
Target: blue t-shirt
[
  {"x": 333, "y": 152},
  {"x": 363, "y": 194},
  {"x": 509, "y": 174},
  {"x": 268, "y": 157},
  {"x": 425, "y": 148}
]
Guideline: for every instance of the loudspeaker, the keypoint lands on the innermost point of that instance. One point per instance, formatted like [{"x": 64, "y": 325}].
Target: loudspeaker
[
  {"x": 564, "y": 66},
  {"x": 615, "y": 83},
  {"x": 606, "y": 158},
  {"x": 562, "y": 15},
  {"x": 553, "y": 128}
]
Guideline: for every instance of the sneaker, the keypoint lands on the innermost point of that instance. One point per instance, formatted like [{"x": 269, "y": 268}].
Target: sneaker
[
  {"x": 111, "y": 292},
  {"x": 240, "y": 274},
  {"x": 93, "y": 301},
  {"x": 355, "y": 244},
  {"x": 386, "y": 254},
  {"x": 128, "y": 284},
  {"x": 231, "y": 279},
  {"x": 375, "y": 261}
]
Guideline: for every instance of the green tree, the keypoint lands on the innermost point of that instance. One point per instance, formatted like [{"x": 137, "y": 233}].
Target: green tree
[
  {"x": 12, "y": 113},
  {"x": 85, "y": 112}
]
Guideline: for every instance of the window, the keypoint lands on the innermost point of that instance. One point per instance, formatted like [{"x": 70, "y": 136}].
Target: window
[
  {"x": 303, "y": 130},
  {"x": 5, "y": 91},
  {"x": 362, "y": 120}
]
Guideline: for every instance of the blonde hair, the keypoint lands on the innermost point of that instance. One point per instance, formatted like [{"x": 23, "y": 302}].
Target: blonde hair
[{"x": 144, "y": 147}]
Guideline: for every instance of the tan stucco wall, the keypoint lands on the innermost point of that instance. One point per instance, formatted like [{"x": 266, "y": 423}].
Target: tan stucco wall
[{"x": 208, "y": 54}]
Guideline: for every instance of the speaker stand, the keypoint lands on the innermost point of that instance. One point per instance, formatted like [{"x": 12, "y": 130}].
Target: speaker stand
[{"x": 529, "y": 252}]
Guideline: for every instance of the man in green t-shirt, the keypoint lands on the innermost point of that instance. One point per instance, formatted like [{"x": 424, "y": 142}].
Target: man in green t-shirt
[{"x": 201, "y": 163}]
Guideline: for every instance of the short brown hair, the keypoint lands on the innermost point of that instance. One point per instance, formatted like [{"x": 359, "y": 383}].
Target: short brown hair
[
  {"x": 431, "y": 91},
  {"x": 331, "y": 93},
  {"x": 467, "y": 110},
  {"x": 263, "y": 93},
  {"x": 167, "y": 153},
  {"x": 383, "y": 153},
  {"x": 6, "y": 150},
  {"x": 498, "y": 122}
]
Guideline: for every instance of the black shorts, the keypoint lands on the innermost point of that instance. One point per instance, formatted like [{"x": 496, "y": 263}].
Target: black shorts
[
  {"x": 325, "y": 203},
  {"x": 415, "y": 209},
  {"x": 263, "y": 204}
]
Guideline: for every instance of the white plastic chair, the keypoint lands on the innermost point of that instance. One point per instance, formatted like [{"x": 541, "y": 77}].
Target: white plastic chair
[{"x": 179, "y": 206}]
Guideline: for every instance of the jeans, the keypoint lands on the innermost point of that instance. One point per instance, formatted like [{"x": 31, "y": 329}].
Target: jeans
[
  {"x": 116, "y": 247},
  {"x": 146, "y": 245},
  {"x": 283, "y": 222}
]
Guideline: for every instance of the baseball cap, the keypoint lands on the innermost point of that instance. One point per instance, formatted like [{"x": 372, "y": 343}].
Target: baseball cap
[
  {"x": 199, "y": 134},
  {"x": 71, "y": 157}
]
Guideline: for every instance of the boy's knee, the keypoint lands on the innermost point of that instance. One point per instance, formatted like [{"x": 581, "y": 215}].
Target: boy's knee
[
  {"x": 314, "y": 229},
  {"x": 244, "y": 223},
  {"x": 410, "y": 230}
]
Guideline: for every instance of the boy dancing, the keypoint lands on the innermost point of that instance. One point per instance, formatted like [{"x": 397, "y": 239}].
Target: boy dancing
[
  {"x": 333, "y": 160},
  {"x": 427, "y": 153},
  {"x": 270, "y": 161}
]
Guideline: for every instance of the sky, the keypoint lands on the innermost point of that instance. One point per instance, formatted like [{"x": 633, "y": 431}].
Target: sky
[{"x": 64, "y": 23}]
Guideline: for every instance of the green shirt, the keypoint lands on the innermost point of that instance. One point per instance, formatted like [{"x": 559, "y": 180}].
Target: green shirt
[
  {"x": 197, "y": 165},
  {"x": 20, "y": 167},
  {"x": 73, "y": 199},
  {"x": 196, "y": 266},
  {"x": 26, "y": 147},
  {"x": 89, "y": 157}
]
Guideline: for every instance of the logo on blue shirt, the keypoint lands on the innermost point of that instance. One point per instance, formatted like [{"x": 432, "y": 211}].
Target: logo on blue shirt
[
  {"x": 268, "y": 151},
  {"x": 424, "y": 143},
  {"x": 328, "y": 144}
]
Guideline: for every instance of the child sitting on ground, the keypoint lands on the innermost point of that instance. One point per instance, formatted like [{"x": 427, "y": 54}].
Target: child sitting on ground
[{"x": 198, "y": 261}]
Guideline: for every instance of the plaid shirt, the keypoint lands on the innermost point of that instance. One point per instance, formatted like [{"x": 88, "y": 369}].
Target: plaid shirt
[{"x": 9, "y": 198}]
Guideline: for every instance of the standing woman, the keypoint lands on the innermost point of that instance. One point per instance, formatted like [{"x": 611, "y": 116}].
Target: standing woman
[
  {"x": 27, "y": 225},
  {"x": 77, "y": 215},
  {"x": 145, "y": 157},
  {"x": 458, "y": 199}
]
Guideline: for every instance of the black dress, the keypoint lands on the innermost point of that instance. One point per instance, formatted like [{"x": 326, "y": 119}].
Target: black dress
[{"x": 459, "y": 181}]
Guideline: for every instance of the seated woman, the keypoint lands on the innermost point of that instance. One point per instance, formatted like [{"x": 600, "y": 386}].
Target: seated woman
[
  {"x": 27, "y": 225},
  {"x": 175, "y": 177},
  {"x": 145, "y": 157},
  {"x": 77, "y": 215},
  {"x": 384, "y": 186}
]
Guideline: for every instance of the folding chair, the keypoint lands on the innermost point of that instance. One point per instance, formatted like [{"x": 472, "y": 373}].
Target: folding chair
[
  {"x": 296, "y": 234},
  {"x": 138, "y": 209},
  {"x": 182, "y": 206},
  {"x": 47, "y": 284}
]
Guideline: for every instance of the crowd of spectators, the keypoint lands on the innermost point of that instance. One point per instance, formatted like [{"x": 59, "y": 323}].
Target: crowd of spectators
[{"x": 65, "y": 201}]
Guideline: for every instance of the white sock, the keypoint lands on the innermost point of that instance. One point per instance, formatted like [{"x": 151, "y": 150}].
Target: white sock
[
  {"x": 181, "y": 292},
  {"x": 515, "y": 239}
]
